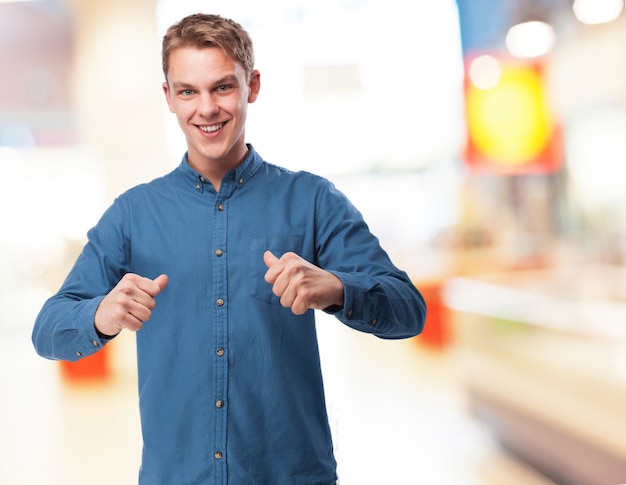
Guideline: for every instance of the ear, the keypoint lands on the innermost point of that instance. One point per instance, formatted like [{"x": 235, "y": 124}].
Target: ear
[
  {"x": 254, "y": 85},
  {"x": 166, "y": 91}
]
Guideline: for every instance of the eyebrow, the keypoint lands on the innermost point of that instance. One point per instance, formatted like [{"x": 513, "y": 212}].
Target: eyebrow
[
  {"x": 181, "y": 85},
  {"x": 230, "y": 78}
]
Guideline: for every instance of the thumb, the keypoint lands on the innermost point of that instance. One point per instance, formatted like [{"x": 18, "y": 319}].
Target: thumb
[
  {"x": 269, "y": 259},
  {"x": 162, "y": 281}
]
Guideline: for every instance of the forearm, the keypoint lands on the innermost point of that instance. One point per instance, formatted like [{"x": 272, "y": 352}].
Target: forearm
[
  {"x": 387, "y": 306},
  {"x": 64, "y": 329}
]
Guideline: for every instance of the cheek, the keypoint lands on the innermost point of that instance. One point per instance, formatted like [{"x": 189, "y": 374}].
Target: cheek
[
  {"x": 242, "y": 108},
  {"x": 182, "y": 111}
]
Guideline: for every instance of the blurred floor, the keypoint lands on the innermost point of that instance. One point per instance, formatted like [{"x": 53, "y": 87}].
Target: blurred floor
[{"x": 397, "y": 412}]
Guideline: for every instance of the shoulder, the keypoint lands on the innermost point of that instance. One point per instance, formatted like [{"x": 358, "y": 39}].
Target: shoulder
[
  {"x": 281, "y": 175},
  {"x": 152, "y": 187}
]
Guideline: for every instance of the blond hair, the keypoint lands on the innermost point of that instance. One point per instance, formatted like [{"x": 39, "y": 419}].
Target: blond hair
[{"x": 205, "y": 30}]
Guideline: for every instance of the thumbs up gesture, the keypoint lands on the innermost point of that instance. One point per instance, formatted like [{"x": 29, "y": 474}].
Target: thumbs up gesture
[
  {"x": 301, "y": 285},
  {"x": 129, "y": 304}
]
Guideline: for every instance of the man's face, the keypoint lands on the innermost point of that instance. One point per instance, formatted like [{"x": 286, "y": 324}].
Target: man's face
[{"x": 209, "y": 93}]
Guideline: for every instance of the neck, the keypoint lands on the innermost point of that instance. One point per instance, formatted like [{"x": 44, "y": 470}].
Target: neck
[{"x": 214, "y": 170}]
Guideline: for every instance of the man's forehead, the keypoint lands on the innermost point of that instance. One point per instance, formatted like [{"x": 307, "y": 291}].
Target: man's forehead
[{"x": 208, "y": 64}]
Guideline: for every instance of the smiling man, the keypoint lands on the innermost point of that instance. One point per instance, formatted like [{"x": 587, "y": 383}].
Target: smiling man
[
  {"x": 209, "y": 92},
  {"x": 218, "y": 267}
]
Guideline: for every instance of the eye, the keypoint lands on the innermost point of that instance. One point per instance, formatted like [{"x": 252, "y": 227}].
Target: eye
[
  {"x": 223, "y": 88},
  {"x": 186, "y": 92}
]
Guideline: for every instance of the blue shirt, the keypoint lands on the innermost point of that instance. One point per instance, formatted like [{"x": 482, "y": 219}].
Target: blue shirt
[{"x": 230, "y": 387}]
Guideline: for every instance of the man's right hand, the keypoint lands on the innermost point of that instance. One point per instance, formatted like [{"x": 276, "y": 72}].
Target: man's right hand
[{"x": 129, "y": 304}]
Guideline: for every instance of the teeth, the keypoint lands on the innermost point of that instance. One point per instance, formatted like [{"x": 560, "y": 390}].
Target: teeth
[{"x": 211, "y": 129}]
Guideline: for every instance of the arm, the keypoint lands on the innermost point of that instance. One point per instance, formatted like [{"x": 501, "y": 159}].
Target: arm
[
  {"x": 353, "y": 277},
  {"x": 389, "y": 305},
  {"x": 98, "y": 298},
  {"x": 378, "y": 297}
]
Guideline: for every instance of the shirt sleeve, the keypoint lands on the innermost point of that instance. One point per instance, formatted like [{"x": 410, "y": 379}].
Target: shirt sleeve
[
  {"x": 64, "y": 328},
  {"x": 379, "y": 298}
]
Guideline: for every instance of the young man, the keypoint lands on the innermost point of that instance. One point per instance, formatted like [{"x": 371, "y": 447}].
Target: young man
[{"x": 217, "y": 266}]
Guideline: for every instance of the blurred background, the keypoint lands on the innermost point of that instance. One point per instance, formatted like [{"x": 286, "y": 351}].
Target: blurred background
[{"x": 483, "y": 140}]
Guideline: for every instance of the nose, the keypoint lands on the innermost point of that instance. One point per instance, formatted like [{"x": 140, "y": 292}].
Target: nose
[{"x": 207, "y": 105}]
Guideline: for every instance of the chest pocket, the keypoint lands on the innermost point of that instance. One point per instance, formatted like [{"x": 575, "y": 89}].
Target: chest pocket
[{"x": 259, "y": 288}]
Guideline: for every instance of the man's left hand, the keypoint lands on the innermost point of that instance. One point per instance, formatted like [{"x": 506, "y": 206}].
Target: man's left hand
[{"x": 301, "y": 285}]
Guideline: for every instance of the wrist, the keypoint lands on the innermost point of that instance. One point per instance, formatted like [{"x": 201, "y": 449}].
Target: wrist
[{"x": 106, "y": 332}]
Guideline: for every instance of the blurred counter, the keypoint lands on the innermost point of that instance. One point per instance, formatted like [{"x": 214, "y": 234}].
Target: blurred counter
[{"x": 542, "y": 354}]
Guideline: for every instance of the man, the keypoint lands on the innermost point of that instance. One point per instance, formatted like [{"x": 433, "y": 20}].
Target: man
[{"x": 217, "y": 266}]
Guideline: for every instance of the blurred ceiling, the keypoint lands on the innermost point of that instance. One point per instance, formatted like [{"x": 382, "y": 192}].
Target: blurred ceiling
[
  {"x": 35, "y": 55},
  {"x": 36, "y": 51},
  {"x": 484, "y": 23}
]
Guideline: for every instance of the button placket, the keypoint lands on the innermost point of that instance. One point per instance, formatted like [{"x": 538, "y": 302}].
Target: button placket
[{"x": 220, "y": 328}]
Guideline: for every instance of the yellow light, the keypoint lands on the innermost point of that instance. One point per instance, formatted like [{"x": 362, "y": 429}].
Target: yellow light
[{"x": 510, "y": 123}]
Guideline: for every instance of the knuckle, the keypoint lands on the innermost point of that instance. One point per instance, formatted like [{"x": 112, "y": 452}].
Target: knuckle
[
  {"x": 305, "y": 294},
  {"x": 119, "y": 314},
  {"x": 129, "y": 277},
  {"x": 125, "y": 290}
]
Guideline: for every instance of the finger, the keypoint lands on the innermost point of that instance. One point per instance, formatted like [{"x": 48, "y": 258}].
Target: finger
[
  {"x": 144, "y": 301},
  {"x": 299, "y": 300},
  {"x": 299, "y": 307},
  {"x": 270, "y": 261},
  {"x": 286, "y": 294},
  {"x": 142, "y": 310},
  {"x": 134, "y": 296},
  {"x": 131, "y": 322},
  {"x": 151, "y": 287},
  {"x": 128, "y": 316},
  {"x": 162, "y": 281}
]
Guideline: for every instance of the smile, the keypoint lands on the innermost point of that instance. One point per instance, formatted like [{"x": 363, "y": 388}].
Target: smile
[{"x": 211, "y": 128}]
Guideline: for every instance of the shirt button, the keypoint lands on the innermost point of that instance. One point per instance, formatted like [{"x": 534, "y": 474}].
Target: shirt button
[
  {"x": 219, "y": 404},
  {"x": 198, "y": 186},
  {"x": 349, "y": 313},
  {"x": 79, "y": 354},
  {"x": 219, "y": 352},
  {"x": 220, "y": 302},
  {"x": 95, "y": 343},
  {"x": 218, "y": 455},
  {"x": 240, "y": 181},
  {"x": 373, "y": 321},
  {"x": 219, "y": 253},
  {"x": 220, "y": 207}
]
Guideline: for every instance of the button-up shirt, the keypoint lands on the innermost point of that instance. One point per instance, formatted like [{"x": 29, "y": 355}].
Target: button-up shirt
[{"x": 230, "y": 387}]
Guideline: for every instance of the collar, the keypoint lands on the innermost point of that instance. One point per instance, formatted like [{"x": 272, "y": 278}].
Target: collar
[{"x": 240, "y": 175}]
